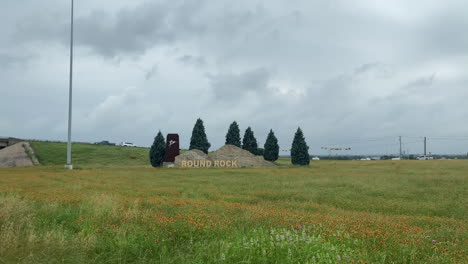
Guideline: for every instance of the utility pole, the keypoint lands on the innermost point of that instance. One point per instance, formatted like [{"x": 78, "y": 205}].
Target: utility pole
[
  {"x": 425, "y": 141},
  {"x": 400, "y": 146},
  {"x": 69, "y": 162}
]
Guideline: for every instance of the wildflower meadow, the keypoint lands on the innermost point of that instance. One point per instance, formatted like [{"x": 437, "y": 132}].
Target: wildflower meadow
[{"x": 329, "y": 212}]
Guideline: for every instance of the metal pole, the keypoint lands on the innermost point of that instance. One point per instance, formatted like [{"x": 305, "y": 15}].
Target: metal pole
[
  {"x": 400, "y": 146},
  {"x": 69, "y": 162},
  {"x": 425, "y": 140}
]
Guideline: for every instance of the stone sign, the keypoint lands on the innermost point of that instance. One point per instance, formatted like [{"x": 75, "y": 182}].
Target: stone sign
[
  {"x": 172, "y": 147},
  {"x": 209, "y": 163},
  {"x": 228, "y": 156}
]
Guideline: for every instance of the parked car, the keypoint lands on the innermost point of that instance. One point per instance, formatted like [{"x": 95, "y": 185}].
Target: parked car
[
  {"x": 105, "y": 142},
  {"x": 425, "y": 157},
  {"x": 315, "y": 158},
  {"x": 127, "y": 144},
  {"x": 398, "y": 158}
]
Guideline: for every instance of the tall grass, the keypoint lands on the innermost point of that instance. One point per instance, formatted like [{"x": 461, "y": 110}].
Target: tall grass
[{"x": 350, "y": 211}]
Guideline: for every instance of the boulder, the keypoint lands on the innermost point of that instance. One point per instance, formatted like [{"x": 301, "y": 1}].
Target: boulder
[
  {"x": 244, "y": 158},
  {"x": 193, "y": 155}
]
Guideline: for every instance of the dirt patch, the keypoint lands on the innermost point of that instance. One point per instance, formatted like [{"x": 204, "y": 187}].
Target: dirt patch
[{"x": 18, "y": 155}]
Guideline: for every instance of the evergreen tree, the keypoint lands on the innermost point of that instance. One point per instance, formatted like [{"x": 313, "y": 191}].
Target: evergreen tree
[
  {"x": 157, "y": 151},
  {"x": 300, "y": 150},
  {"x": 249, "y": 142},
  {"x": 198, "y": 139},
  {"x": 271, "y": 147},
  {"x": 260, "y": 152},
  {"x": 233, "y": 135}
]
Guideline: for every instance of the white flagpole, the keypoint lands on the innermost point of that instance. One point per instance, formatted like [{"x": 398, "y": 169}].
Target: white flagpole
[{"x": 69, "y": 162}]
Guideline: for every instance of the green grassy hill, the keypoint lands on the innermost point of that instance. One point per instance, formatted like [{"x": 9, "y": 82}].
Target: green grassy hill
[
  {"x": 53, "y": 153},
  {"x": 91, "y": 155}
]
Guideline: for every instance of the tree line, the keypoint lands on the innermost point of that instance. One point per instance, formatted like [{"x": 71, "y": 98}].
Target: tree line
[{"x": 270, "y": 150}]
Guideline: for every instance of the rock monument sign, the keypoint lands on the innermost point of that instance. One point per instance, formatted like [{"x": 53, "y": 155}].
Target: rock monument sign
[
  {"x": 228, "y": 156},
  {"x": 172, "y": 147}
]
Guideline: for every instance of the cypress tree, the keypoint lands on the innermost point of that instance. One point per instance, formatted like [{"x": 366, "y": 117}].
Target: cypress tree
[
  {"x": 233, "y": 135},
  {"x": 198, "y": 139},
  {"x": 299, "y": 149},
  {"x": 249, "y": 142},
  {"x": 260, "y": 152},
  {"x": 157, "y": 151},
  {"x": 271, "y": 147}
]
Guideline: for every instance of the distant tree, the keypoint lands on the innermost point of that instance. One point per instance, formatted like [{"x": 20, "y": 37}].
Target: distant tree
[
  {"x": 271, "y": 146},
  {"x": 198, "y": 139},
  {"x": 260, "y": 151},
  {"x": 299, "y": 149},
  {"x": 249, "y": 142},
  {"x": 157, "y": 151},
  {"x": 233, "y": 135}
]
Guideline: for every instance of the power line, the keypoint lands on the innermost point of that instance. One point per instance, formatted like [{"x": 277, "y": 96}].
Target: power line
[{"x": 450, "y": 139}]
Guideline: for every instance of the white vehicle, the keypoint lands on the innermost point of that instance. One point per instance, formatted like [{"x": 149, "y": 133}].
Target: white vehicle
[
  {"x": 425, "y": 157},
  {"x": 366, "y": 159},
  {"x": 315, "y": 158},
  {"x": 127, "y": 144},
  {"x": 396, "y": 158}
]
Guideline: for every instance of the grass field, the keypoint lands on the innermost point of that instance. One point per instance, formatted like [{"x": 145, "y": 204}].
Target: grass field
[
  {"x": 55, "y": 153},
  {"x": 330, "y": 212}
]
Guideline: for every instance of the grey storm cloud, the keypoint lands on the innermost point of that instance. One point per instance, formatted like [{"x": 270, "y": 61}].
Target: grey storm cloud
[
  {"x": 138, "y": 29},
  {"x": 378, "y": 69},
  {"x": 151, "y": 72},
  {"x": 11, "y": 60},
  {"x": 196, "y": 61},
  {"x": 445, "y": 34},
  {"x": 234, "y": 86},
  {"x": 339, "y": 69},
  {"x": 131, "y": 30}
]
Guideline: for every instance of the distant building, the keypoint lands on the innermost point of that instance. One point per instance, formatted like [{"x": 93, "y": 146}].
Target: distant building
[{"x": 423, "y": 157}]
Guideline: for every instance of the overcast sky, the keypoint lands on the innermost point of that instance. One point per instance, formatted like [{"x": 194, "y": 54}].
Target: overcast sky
[{"x": 354, "y": 73}]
